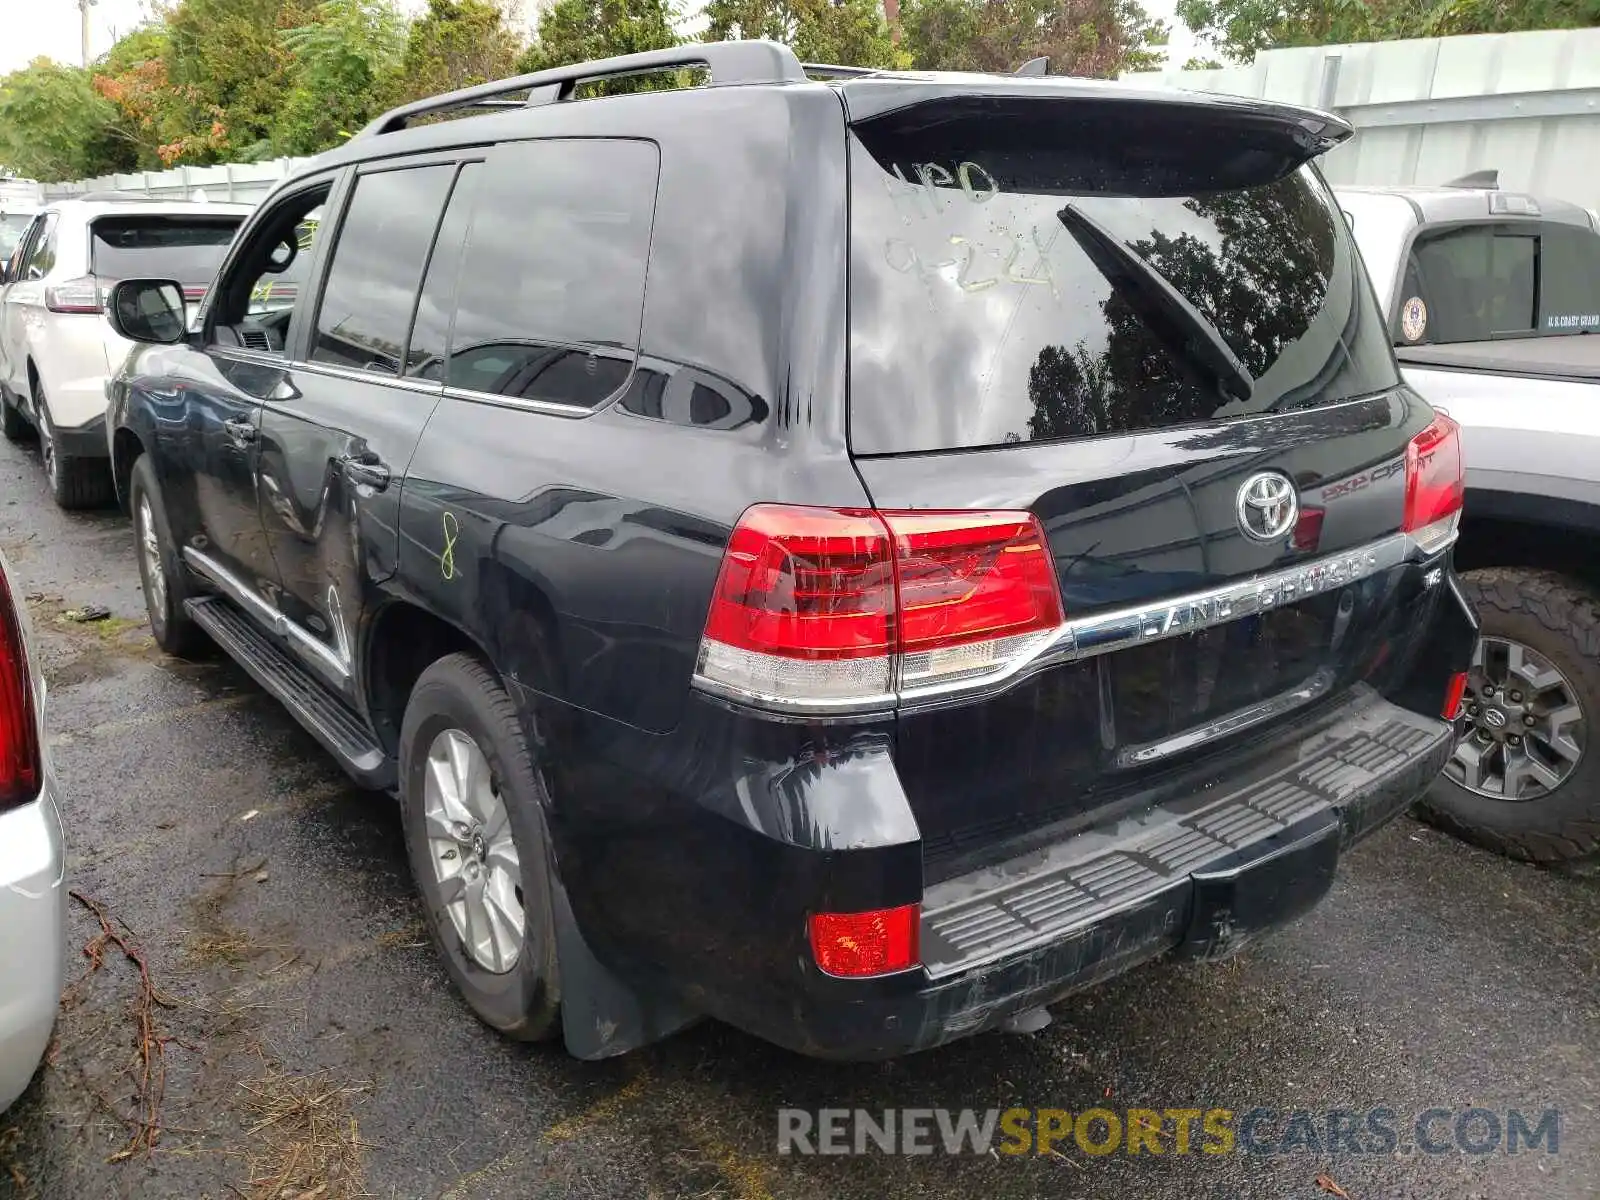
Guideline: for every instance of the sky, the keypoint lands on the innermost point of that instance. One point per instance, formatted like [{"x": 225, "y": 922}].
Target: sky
[{"x": 50, "y": 28}]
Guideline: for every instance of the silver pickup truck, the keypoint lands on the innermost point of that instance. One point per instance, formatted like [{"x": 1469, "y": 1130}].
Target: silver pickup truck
[{"x": 1493, "y": 303}]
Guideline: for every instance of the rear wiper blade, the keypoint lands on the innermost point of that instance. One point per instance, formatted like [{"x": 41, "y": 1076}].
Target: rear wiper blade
[{"x": 1183, "y": 332}]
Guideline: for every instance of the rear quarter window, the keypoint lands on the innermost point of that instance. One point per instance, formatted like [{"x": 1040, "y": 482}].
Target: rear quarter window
[
  {"x": 1486, "y": 280},
  {"x": 551, "y": 290},
  {"x": 978, "y": 317}
]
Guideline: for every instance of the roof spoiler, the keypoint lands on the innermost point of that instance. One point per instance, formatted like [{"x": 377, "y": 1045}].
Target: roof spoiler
[{"x": 1489, "y": 178}]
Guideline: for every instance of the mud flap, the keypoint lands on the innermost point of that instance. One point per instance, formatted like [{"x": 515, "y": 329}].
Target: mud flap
[
  {"x": 1261, "y": 887},
  {"x": 601, "y": 1016}
]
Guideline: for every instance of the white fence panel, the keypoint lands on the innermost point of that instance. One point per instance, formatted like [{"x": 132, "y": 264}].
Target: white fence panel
[
  {"x": 241, "y": 182},
  {"x": 1430, "y": 110}
]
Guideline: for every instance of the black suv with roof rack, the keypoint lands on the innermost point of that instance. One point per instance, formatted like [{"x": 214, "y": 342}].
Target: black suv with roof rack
[{"x": 828, "y": 551}]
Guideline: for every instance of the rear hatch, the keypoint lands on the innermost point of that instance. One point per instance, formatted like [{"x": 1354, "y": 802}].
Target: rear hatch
[{"x": 1142, "y": 319}]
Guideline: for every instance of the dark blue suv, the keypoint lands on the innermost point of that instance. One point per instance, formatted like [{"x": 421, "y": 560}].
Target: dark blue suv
[{"x": 856, "y": 555}]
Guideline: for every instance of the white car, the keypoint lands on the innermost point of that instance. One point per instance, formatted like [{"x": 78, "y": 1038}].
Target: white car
[
  {"x": 32, "y": 894},
  {"x": 56, "y": 348}
]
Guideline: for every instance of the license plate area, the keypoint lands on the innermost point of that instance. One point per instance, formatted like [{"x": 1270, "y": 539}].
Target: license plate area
[{"x": 1163, "y": 689}]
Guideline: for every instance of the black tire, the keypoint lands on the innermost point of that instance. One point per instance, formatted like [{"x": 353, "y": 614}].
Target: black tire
[
  {"x": 459, "y": 692},
  {"x": 1559, "y": 618},
  {"x": 13, "y": 424},
  {"x": 170, "y": 624},
  {"x": 75, "y": 483}
]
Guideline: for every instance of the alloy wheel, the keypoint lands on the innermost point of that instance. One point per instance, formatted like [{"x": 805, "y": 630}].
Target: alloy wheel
[
  {"x": 472, "y": 850},
  {"x": 47, "y": 440},
  {"x": 150, "y": 549},
  {"x": 1522, "y": 725}
]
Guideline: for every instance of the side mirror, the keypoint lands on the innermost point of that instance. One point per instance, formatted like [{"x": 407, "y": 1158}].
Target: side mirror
[
  {"x": 5, "y": 270},
  {"x": 148, "y": 310}
]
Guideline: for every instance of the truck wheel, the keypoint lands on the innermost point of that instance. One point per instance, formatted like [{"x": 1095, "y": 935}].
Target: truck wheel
[
  {"x": 74, "y": 482},
  {"x": 1524, "y": 779},
  {"x": 473, "y": 809},
  {"x": 163, "y": 577}
]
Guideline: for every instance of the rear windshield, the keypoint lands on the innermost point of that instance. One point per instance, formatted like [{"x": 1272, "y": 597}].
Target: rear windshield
[
  {"x": 992, "y": 300},
  {"x": 188, "y": 249}
]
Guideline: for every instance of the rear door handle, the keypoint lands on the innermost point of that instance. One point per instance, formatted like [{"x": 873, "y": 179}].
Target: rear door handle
[
  {"x": 241, "y": 431},
  {"x": 365, "y": 469}
]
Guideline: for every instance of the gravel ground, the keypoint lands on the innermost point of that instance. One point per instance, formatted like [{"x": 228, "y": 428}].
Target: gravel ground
[{"x": 299, "y": 1038}]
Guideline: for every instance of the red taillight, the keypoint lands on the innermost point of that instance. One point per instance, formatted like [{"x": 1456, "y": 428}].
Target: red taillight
[
  {"x": 829, "y": 608},
  {"x": 1452, "y": 696},
  {"x": 81, "y": 295},
  {"x": 1307, "y": 530},
  {"x": 971, "y": 577},
  {"x": 19, "y": 733},
  {"x": 855, "y": 945},
  {"x": 1435, "y": 484},
  {"x": 806, "y": 583}
]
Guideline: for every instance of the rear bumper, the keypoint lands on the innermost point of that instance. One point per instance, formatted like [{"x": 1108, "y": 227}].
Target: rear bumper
[
  {"x": 32, "y": 938},
  {"x": 83, "y": 441},
  {"x": 1200, "y": 879}
]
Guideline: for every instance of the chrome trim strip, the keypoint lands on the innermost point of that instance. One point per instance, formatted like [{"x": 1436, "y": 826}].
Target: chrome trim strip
[
  {"x": 572, "y": 412},
  {"x": 1107, "y": 633},
  {"x": 426, "y": 387},
  {"x": 320, "y": 657},
  {"x": 1240, "y": 719},
  {"x": 1202, "y": 610}
]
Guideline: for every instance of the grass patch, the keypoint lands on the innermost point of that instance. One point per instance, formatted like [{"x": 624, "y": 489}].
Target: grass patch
[{"x": 305, "y": 1142}]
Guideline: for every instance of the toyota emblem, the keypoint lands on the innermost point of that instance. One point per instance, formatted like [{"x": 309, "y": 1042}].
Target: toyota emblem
[{"x": 1267, "y": 506}]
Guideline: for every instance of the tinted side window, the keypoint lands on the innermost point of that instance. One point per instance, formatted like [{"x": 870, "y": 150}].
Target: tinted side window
[
  {"x": 377, "y": 265},
  {"x": 19, "y": 253},
  {"x": 1569, "y": 294},
  {"x": 552, "y": 287},
  {"x": 42, "y": 252},
  {"x": 1475, "y": 282},
  {"x": 432, "y": 328}
]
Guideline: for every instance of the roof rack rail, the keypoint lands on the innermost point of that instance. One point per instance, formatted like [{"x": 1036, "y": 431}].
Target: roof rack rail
[
  {"x": 1489, "y": 178},
  {"x": 728, "y": 63}
]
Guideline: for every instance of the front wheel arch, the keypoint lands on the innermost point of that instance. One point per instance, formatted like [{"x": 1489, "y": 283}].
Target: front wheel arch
[{"x": 126, "y": 449}]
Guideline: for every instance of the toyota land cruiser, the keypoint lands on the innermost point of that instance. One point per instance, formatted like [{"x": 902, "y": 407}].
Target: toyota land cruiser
[{"x": 821, "y": 549}]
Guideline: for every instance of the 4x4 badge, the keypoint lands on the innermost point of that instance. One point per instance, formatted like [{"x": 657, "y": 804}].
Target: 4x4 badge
[{"x": 1267, "y": 506}]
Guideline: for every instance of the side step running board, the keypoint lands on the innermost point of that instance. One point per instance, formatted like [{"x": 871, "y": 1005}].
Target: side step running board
[{"x": 325, "y": 714}]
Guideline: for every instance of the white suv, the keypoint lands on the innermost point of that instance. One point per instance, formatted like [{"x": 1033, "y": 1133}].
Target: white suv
[{"x": 56, "y": 349}]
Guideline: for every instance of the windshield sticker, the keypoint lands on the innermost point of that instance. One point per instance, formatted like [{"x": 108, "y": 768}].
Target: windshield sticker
[
  {"x": 1414, "y": 319},
  {"x": 1572, "y": 321}
]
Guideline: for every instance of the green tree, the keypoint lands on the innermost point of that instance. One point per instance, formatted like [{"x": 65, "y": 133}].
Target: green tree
[
  {"x": 340, "y": 62},
  {"x": 54, "y": 125},
  {"x": 1079, "y": 37},
  {"x": 572, "y": 31},
  {"x": 1239, "y": 29},
  {"x": 229, "y": 65},
  {"x": 155, "y": 117},
  {"x": 843, "y": 32},
  {"x": 455, "y": 44}
]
